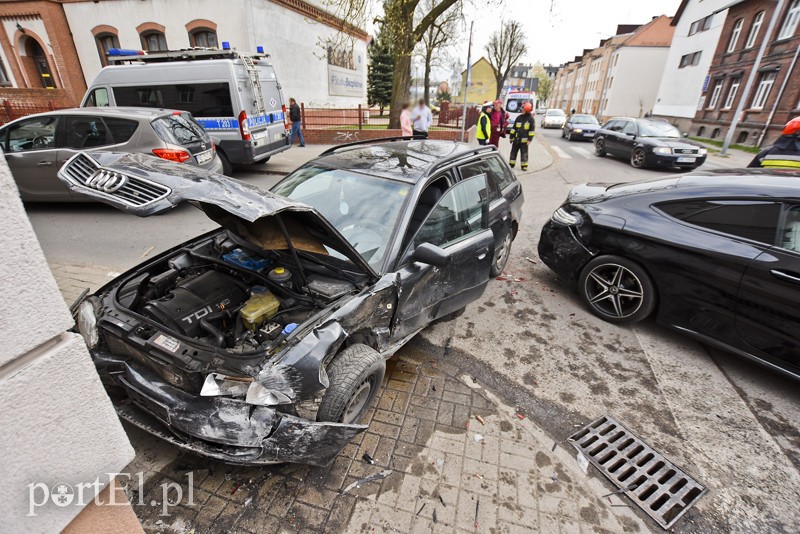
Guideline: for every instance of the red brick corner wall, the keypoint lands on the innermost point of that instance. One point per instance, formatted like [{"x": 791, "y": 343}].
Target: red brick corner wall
[{"x": 335, "y": 137}]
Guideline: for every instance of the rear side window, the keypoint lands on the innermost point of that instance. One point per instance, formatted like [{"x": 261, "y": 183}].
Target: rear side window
[
  {"x": 757, "y": 221},
  {"x": 179, "y": 130},
  {"x": 121, "y": 129},
  {"x": 199, "y": 99}
]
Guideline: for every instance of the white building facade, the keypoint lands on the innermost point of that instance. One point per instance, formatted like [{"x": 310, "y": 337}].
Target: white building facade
[
  {"x": 698, "y": 25},
  {"x": 633, "y": 80},
  {"x": 295, "y": 33}
]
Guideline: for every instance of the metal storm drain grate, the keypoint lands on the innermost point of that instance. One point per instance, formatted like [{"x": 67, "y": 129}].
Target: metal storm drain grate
[{"x": 659, "y": 487}]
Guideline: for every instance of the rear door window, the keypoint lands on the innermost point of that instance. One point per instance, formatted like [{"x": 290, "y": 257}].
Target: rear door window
[
  {"x": 459, "y": 214},
  {"x": 179, "y": 130},
  {"x": 789, "y": 237},
  {"x": 121, "y": 130},
  {"x": 629, "y": 128},
  {"x": 753, "y": 220},
  {"x": 199, "y": 99},
  {"x": 85, "y": 132}
]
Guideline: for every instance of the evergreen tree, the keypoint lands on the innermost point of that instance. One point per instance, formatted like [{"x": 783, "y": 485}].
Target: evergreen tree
[{"x": 380, "y": 72}]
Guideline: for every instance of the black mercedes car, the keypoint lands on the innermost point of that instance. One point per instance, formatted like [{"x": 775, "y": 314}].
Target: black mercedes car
[
  {"x": 648, "y": 143},
  {"x": 265, "y": 340},
  {"x": 580, "y": 126},
  {"x": 715, "y": 255}
]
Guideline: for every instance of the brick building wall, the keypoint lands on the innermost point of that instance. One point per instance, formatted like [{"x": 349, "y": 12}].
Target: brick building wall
[
  {"x": 21, "y": 24},
  {"x": 734, "y": 67}
]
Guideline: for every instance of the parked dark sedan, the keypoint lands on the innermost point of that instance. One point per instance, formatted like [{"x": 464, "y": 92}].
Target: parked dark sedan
[
  {"x": 648, "y": 143},
  {"x": 265, "y": 340},
  {"x": 715, "y": 255},
  {"x": 580, "y": 126}
]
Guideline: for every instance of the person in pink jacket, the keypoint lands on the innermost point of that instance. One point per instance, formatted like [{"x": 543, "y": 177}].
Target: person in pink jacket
[{"x": 405, "y": 121}]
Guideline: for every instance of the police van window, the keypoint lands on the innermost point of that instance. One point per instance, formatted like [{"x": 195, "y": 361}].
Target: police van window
[
  {"x": 98, "y": 98},
  {"x": 199, "y": 99}
]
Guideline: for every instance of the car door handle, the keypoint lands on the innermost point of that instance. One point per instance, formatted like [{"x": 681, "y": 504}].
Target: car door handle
[
  {"x": 482, "y": 253},
  {"x": 44, "y": 163},
  {"x": 786, "y": 277}
]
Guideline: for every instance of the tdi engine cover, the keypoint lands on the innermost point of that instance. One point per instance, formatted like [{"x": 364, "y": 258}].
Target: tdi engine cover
[{"x": 182, "y": 308}]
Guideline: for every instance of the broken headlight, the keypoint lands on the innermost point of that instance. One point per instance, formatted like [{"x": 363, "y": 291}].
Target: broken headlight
[
  {"x": 87, "y": 323},
  {"x": 260, "y": 396},
  {"x": 217, "y": 385},
  {"x": 564, "y": 217}
]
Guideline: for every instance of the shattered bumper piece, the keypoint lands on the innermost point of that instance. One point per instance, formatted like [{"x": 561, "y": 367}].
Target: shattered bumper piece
[{"x": 227, "y": 429}]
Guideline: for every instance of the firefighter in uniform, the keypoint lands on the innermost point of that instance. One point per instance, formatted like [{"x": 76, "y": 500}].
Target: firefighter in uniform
[
  {"x": 522, "y": 132},
  {"x": 484, "y": 124},
  {"x": 785, "y": 153}
]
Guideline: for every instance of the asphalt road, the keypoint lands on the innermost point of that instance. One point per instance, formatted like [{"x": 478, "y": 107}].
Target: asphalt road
[{"x": 728, "y": 422}]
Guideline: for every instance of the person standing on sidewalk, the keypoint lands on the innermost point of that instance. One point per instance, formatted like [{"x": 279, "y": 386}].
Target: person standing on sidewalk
[
  {"x": 522, "y": 132},
  {"x": 785, "y": 153},
  {"x": 484, "y": 125},
  {"x": 499, "y": 120},
  {"x": 294, "y": 116},
  {"x": 422, "y": 118},
  {"x": 405, "y": 121}
]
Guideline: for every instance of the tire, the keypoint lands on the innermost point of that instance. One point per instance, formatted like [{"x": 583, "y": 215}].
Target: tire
[
  {"x": 263, "y": 161},
  {"x": 600, "y": 148},
  {"x": 562, "y": 134},
  {"x": 569, "y": 137},
  {"x": 227, "y": 168},
  {"x": 617, "y": 290},
  {"x": 501, "y": 255},
  {"x": 638, "y": 158},
  {"x": 355, "y": 376}
]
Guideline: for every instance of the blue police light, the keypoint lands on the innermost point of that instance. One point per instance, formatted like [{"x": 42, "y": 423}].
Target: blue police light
[
  {"x": 124, "y": 52},
  {"x": 226, "y": 45},
  {"x": 260, "y": 49}
]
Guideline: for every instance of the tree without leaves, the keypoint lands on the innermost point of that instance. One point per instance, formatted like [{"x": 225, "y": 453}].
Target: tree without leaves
[
  {"x": 379, "y": 75},
  {"x": 504, "y": 50},
  {"x": 436, "y": 38}
]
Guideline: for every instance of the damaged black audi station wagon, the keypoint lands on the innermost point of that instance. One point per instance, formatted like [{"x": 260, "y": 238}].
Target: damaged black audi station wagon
[{"x": 265, "y": 340}]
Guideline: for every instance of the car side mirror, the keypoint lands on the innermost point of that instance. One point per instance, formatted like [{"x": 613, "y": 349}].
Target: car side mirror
[
  {"x": 629, "y": 134},
  {"x": 685, "y": 134},
  {"x": 431, "y": 254}
]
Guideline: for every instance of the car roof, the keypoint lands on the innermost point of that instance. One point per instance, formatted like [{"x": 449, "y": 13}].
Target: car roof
[
  {"x": 751, "y": 182},
  {"x": 123, "y": 112},
  {"x": 408, "y": 161}
]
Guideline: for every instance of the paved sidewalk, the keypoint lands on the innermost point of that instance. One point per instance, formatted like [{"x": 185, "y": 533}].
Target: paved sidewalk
[{"x": 461, "y": 461}]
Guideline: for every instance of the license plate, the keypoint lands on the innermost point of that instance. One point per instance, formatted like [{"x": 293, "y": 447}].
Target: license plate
[
  {"x": 260, "y": 135},
  {"x": 686, "y": 160},
  {"x": 203, "y": 157}
]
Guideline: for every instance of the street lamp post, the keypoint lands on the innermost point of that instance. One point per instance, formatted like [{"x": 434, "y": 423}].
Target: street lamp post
[{"x": 466, "y": 83}]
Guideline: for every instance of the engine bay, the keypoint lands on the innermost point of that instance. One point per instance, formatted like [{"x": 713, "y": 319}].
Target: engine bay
[{"x": 222, "y": 293}]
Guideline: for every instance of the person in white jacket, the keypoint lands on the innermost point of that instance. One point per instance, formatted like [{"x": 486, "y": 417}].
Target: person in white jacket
[{"x": 422, "y": 118}]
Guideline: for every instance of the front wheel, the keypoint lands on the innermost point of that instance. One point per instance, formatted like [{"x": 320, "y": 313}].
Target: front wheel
[
  {"x": 355, "y": 375},
  {"x": 638, "y": 158},
  {"x": 562, "y": 133},
  {"x": 600, "y": 147},
  {"x": 617, "y": 290}
]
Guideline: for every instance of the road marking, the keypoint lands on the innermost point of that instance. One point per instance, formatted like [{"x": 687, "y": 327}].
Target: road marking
[
  {"x": 561, "y": 153},
  {"x": 583, "y": 152}
]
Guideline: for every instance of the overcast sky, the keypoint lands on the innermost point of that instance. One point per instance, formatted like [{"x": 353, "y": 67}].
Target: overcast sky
[{"x": 557, "y": 30}]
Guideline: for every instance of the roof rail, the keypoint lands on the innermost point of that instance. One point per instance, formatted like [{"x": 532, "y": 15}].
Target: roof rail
[
  {"x": 334, "y": 149},
  {"x": 186, "y": 54},
  {"x": 474, "y": 151}
]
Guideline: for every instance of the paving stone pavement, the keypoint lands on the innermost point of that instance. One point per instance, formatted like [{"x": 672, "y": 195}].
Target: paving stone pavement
[{"x": 451, "y": 472}]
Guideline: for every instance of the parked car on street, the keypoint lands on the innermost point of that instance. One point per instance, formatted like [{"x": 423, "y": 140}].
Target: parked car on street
[
  {"x": 37, "y": 146},
  {"x": 265, "y": 340},
  {"x": 715, "y": 255},
  {"x": 580, "y": 126},
  {"x": 648, "y": 143},
  {"x": 554, "y": 118}
]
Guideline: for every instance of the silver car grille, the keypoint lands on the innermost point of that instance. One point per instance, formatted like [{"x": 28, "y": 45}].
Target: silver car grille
[
  {"x": 680, "y": 151},
  {"x": 131, "y": 190}
]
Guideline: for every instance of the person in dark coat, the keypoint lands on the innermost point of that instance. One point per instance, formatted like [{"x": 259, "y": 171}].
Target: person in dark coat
[
  {"x": 499, "y": 119},
  {"x": 294, "y": 116},
  {"x": 522, "y": 132},
  {"x": 785, "y": 153}
]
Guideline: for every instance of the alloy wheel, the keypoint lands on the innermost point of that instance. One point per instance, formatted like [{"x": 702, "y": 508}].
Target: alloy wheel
[
  {"x": 502, "y": 254},
  {"x": 614, "y": 290},
  {"x": 599, "y": 148},
  {"x": 637, "y": 158}
]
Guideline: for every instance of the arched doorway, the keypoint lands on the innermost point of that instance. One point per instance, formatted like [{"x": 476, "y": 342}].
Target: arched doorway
[{"x": 36, "y": 65}]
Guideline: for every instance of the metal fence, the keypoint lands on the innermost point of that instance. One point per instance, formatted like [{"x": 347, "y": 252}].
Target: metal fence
[
  {"x": 10, "y": 111},
  {"x": 367, "y": 118}
]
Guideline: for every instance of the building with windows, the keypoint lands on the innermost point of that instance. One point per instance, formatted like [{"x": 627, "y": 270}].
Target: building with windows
[
  {"x": 482, "y": 83},
  {"x": 774, "y": 97},
  {"x": 698, "y": 26},
  {"x": 620, "y": 76}
]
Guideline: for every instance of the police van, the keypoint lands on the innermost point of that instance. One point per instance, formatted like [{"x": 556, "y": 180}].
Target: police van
[
  {"x": 515, "y": 100},
  {"x": 235, "y": 96}
]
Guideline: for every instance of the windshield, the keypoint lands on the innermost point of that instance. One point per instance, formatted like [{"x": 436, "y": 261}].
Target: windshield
[
  {"x": 514, "y": 105},
  {"x": 658, "y": 129},
  {"x": 364, "y": 209},
  {"x": 583, "y": 119},
  {"x": 555, "y": 113}
]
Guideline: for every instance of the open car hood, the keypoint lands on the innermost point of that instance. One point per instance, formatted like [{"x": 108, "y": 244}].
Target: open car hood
[{"x": 146, "y": 185}]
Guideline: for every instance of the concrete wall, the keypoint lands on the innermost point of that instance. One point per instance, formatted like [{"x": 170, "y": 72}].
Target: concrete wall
[
  {"x": 637, "y": 76},
  {"x": 58, "y": 425},
  {"x": 292, "y": 39},
  {"x": 680, "y": 89}
]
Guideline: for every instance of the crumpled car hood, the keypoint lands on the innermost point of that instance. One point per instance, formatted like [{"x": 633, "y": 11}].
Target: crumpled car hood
[{"x": 145, "y": 185}]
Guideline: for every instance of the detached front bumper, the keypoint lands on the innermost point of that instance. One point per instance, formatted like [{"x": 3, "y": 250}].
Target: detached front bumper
[{"x": 222, "y": 428}]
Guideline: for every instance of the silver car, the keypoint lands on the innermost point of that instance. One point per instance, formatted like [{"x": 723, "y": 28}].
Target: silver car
[{"x": 37, "y": 146}]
